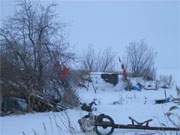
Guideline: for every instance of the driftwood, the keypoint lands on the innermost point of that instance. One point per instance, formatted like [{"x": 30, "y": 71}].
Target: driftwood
[{"x": 44, "y": 103}]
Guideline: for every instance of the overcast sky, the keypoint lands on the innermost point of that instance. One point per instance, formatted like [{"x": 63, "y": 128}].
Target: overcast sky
[{"x": 116, "y": 23}]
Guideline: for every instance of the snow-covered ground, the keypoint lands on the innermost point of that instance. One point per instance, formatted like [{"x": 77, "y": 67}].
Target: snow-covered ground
[{"x": 111, "y": 100}]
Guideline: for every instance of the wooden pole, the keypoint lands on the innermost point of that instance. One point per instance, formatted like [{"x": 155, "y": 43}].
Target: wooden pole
[
  {"x": 165, "y": 93},
  {"x": 147, "y": 128},
  {"x": 1, "y": 100},
  {"x": 138, "y": 127}
]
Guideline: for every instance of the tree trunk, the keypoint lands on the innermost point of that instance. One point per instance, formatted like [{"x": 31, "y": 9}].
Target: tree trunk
[
  {"x": 1, "y": 99},
  {"x": 29, "y": 105}
]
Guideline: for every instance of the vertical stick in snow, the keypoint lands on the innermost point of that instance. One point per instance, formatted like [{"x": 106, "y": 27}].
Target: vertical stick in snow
[
  {"x": 1, "y": 99},
  {"x": 165, "y": 93},
  {"x": 93, "y": 87},
  {"x": 119, "y": 60}
]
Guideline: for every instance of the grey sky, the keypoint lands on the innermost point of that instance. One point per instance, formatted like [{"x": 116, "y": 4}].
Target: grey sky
[{"x": 115, "y": 24}]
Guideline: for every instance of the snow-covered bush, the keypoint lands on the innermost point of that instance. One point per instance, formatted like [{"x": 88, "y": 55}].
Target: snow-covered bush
[
  {"x": 79, "y": 78},
  {"x": 178, "y": 91},
  {"x": 173, "y": 113},
  {"x": 70, "y": 98},
  {"x": 166, "y": 81},
  {"x": 140, "y": 60},
  {"x": 100, "y": 61}
]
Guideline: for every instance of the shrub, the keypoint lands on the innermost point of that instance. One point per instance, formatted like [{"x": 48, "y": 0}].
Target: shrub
[{"x": 140, "y": 60}]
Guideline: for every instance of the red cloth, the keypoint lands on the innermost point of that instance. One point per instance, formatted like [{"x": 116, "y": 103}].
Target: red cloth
[
  {"x": 62, "y": 71},
  {"x": 65, "y": 73}
]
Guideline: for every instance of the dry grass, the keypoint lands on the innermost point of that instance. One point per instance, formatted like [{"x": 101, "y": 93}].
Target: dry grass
[{"x": 59, "y": 124}]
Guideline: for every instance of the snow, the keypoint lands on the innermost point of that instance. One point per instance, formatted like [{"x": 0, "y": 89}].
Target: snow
[{"x": 111, "y": 100}]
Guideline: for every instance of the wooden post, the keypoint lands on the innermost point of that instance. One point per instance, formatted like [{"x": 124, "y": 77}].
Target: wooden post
[
  {"x": 1, "y": 96},
  {"x": 1, "y": 100},
  {"x": 165, "y": 94}
]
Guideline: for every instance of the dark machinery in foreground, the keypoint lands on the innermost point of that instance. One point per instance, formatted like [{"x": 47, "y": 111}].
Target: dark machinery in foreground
[{"x": 104, "y": 125}]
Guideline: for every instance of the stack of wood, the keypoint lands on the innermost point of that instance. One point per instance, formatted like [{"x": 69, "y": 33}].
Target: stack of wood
[{"x": 41, "y": 103}]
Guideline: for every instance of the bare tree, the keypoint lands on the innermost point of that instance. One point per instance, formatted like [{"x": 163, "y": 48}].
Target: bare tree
[
  {"x": 99, "y": 61},
  {"x": 166, "y": 81},
  {"x": 140, "y": 59},
  {"x": 88, "y": 62},
  {"x": 106, "y": 60},
  {"x": 31, "y": 41}
]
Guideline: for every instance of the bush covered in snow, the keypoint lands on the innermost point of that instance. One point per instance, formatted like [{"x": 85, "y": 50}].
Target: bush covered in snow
[
  {"x": 140, "y": 60},
  {"x": 98, "y": 61}
]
